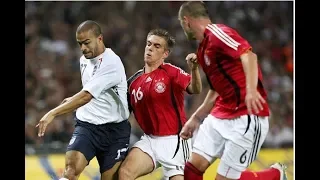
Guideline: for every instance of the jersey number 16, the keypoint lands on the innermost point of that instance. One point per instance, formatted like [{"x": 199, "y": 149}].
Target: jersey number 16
[{"x": 138, "y": 95}]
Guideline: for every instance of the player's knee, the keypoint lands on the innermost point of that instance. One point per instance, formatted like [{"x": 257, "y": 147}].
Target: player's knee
[{"x": 199, "y": 162}]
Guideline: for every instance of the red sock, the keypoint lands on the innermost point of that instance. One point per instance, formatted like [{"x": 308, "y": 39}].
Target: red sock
[
  {"x": 192, "y": 173},
  {"x": 267, "y": 174}
]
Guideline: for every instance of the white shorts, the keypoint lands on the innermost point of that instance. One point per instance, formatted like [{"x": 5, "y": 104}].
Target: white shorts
[
  {"x": 236, "y": 142},
  {"x": 162, "y": 149}
]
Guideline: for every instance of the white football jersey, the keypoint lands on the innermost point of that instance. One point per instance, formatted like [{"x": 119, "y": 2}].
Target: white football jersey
[{"x": 105, "y": 79}]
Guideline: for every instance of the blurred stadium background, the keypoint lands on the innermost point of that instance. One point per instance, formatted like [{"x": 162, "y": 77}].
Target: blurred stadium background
[{"x": 52, "y": 67}]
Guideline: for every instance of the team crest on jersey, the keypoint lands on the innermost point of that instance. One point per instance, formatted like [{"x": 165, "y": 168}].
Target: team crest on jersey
[
  {"x": 160, "y": 87},
  {"x": 206, "y": 60}
]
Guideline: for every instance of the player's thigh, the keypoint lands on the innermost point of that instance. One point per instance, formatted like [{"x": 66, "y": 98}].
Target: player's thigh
[
  {"x": 137, "y": 163},
  {"x": 208, "y": 145},
  {"x": 248, "y": 135},
  {"x": 113, "y": 144},
  {"x": 80, "y": 150},
  {"x": 172, "y": 155}
]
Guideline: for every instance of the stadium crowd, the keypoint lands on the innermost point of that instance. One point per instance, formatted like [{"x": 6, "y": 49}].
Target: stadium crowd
[{"x": 52, "y": 54}]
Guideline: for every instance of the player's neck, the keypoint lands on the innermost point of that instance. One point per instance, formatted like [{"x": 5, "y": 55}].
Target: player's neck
[
  {"x": 101, "y": 50},
  {"x": 200, "y": 27},
  {"x": 100, "y": 54},
  {"x": 149, "y": 67}
]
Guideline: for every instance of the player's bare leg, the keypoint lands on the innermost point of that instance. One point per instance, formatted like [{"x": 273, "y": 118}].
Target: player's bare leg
[
  {"x": 177, "y": 177},
  {"x": 135, "y": 165},
  {"x": 199, "y": 162},
  {"x": 111, "y": 174},
  {"x": 75, "y": 162},
  {"x": 195, "y": 167}
]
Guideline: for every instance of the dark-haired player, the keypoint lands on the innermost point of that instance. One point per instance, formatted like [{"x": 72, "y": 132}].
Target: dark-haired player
[{"x": 102, "y": 129}]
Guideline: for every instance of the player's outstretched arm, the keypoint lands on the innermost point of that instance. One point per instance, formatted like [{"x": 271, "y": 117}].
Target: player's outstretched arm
[
  {"x": 194, "y": 122},
  {"x": 205, "y": 108},
  {"x": 76, "y": 101},
  {"x": 195, "y": 87},
  {"x": 65, "y": 100},
  {"x": 250, "y": 66}
]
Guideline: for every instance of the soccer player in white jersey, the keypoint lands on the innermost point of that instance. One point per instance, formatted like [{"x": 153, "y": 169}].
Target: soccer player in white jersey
[{"x": 102, "y": 129}]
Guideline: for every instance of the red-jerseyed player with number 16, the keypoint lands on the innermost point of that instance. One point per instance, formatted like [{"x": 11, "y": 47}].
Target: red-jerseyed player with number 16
[{"x": 156, "y": 98}]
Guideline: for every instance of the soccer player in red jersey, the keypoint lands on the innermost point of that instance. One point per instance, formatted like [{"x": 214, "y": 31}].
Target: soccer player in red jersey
[
  {"x": 237, "y": 123},
  {"x": 156, "y": 98}
]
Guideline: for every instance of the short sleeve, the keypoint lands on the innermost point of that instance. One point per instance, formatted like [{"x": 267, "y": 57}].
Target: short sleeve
[{"x": 181, "y": 78}]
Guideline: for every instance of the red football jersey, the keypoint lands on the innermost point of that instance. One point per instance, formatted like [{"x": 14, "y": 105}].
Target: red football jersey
[
  {"x": 157, "y": 99},
  {"x": 219, "y": 56}
]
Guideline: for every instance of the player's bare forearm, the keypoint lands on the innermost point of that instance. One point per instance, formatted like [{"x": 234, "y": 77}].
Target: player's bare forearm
[
  {"x": 76, "y": 101},
  {"x": 195, "y": 86},
  {"x": 205, "y": 108},
  {"x": 250, "y": 66}
]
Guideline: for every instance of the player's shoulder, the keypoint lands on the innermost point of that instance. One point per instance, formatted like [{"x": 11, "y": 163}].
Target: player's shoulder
[
  {"x": 135, "y": 76},
  {"x": 219, "y": 30},
  {"x": 110, "y": 58},
  {"x": 221, "y": 34},
  {"x": 171, "y": 69},
  {"x": 110, "y": 54}
]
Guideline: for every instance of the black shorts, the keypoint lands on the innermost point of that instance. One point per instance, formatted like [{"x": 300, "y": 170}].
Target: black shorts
[{"x": 108, "y": 142}]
